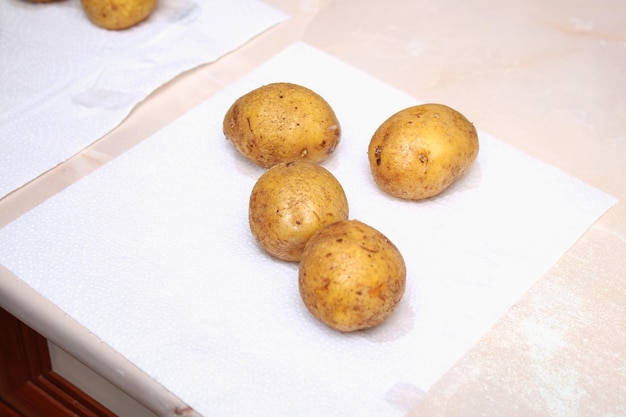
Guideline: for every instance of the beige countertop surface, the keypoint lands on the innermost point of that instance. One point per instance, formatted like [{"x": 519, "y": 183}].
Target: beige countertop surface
[{"x": 548, "y": 77}]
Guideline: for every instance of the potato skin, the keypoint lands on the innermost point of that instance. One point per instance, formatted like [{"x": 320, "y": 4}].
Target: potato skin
[
  {"x": 420, "y": 151},
  {"x": 281, "y": 122},
  {"x": 118, "y": 14},
  {"x": 351, "y": 277},
  {"x": 290, "y": 202}
]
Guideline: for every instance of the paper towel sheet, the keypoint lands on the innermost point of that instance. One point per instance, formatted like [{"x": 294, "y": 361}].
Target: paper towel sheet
[
  {"x": 66, "y": 82},
  {"x": 152, "y": 252}
]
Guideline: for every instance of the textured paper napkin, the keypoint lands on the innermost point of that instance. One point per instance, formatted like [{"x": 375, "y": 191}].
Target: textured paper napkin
[
  {"x": 66, "y": 83},
  {"x": 153, "y": 254}
]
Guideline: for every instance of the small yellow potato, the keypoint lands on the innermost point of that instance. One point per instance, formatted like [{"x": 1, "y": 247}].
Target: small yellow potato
[
  {"x": 290, "y": 202},
  {"x": 117, "y": 14},
  {"x": 282, "y": 122},
  {"x": 420, "y": 151},
  {"x": 351, "y": 277}
]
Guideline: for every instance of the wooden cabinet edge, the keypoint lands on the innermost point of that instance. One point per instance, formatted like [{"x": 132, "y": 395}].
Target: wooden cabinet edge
[{"x": 28, "y": 385}]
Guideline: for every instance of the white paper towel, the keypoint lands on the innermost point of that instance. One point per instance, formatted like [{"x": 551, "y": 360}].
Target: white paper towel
[
  {"x": 152, "y": 253},
  {"x": 66, "y": 82}
]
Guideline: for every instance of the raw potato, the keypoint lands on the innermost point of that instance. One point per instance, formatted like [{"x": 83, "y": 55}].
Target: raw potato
[
  {"x": 290, "y": 202},
  {"x": 420, "y": 151},
  {"x": 351, "y": 276},
  {"x": 118, "y": 14},
  {"x": 282, "y": 122}
]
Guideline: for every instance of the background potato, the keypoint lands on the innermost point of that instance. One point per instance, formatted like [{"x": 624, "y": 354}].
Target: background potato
[
  {"x": 282, "y": 122},
  {"x": 351, "y": 276},
  {"x": 419, "y": 151},
  {"x": 117, "y": 14},
  {"x": 290, "y": 202}
]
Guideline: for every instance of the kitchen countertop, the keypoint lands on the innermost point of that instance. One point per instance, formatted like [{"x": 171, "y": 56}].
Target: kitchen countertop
[{"x": 545, "y": 77}]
